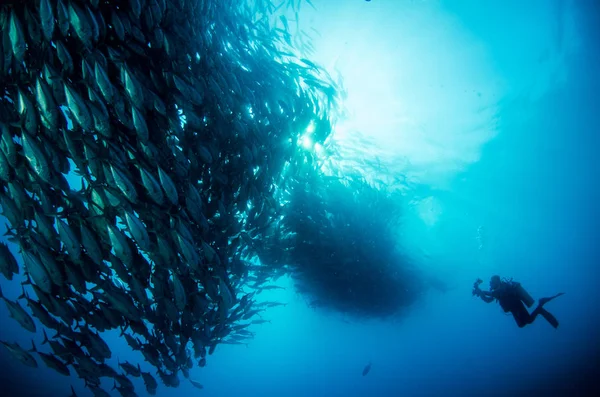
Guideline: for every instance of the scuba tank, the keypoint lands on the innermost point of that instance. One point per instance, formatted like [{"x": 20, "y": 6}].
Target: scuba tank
[
  {"x": 520, "y": 292},
  {"x": 523, "y": 295}
]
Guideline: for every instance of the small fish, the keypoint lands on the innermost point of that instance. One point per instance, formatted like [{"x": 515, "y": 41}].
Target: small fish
[
  {"x": 8, "y": 263},
  {"x": 80, "y": 24},
  {"x": 17, "y": 37},
  {"x": 196, "y": 384},
  {"x": 271, "y": 287},
  {"x": 19, "y": 314},
  {"x": 131, "y": 369},
  {"x": 52, "y": 362},
  {"x": 168, "y": 186},
  {"x": 21, "y": 354},
  {"x": 37, "y": 271},
  {"x": 367, "y": 369},
  {"x": 35, "y": 157}
]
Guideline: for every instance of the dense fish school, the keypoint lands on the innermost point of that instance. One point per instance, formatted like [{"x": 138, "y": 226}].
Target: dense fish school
[{"x": 153, "y": 179}]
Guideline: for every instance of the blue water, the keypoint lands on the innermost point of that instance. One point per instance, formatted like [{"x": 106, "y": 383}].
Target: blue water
[{"x": 495, "y": 108}]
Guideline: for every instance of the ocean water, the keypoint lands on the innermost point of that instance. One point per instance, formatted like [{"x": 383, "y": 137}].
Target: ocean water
[{"x": 489, "y": 110}]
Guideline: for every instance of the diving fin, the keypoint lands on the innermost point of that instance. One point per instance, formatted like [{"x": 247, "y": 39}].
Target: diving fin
[
  {"x": 549, "y": 317},
  {"x": 543, "y": 301}
]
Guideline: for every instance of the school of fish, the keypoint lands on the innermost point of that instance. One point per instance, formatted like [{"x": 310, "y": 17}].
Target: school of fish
[{"x": 142, "y": 143}]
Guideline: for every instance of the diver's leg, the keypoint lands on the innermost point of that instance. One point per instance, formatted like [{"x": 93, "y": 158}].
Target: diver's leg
[
  {"x": 543, "y": 301},
  {"x": 545, "y": 313},
  {"x": 521, "y": 322},
  {"x": 521, "y": 315},
  {"x": 549, "y": 317}
]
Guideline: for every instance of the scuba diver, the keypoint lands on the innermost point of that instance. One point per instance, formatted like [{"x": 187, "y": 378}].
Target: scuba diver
[{"x": 513, "y": 298}]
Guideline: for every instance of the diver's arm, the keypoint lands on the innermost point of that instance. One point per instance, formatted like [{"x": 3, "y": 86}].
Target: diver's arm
[{"x": 486, "y": 296}]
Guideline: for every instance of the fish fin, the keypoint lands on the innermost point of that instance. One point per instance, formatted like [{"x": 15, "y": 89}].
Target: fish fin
[
  {"x": 9, "y": 231},
  {"x": 69, "y": 360},
  {"x": 311, "y": 4},
  {"x": 45, "y": 337},
  {"x": 23, "y": 295},
  {"x": 33, "y": 349},
  {"x": 14, "y": 240},
  {"x": 58, "y": 334}
]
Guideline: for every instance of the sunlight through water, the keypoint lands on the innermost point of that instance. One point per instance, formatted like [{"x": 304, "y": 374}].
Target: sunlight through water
[{"x": 424, "y": 100}]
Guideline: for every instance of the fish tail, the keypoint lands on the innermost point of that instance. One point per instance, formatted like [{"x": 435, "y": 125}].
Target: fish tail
[
  {"x": 23, "y": 294},
  {"x": 9, "y": 231},
  {"x": 58, "y": 334},
  {"x": 27, "y": 281}
]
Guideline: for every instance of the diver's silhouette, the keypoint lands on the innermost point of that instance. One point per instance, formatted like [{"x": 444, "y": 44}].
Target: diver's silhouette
[{"x": 513, "y": 298}]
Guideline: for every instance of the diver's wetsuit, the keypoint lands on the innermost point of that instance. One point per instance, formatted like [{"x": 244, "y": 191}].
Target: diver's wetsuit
[{"x": 511, "y": 302}]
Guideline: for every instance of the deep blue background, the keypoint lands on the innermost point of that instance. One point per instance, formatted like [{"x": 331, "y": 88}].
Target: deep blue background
[{"x": 534, "y": 187}]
